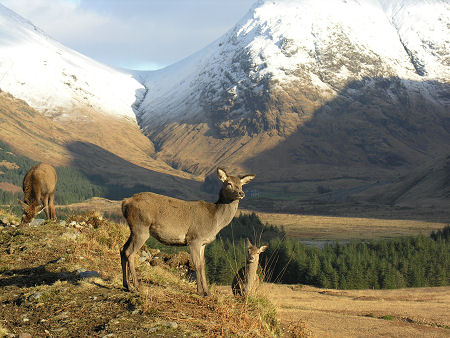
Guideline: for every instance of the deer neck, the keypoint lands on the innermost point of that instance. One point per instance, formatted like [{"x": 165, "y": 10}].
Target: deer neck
[
  {"x": 250, "y": 276},
  {"x": 225, "y": 211},
  {"x": 251, "y": 270},
  {"x": 27, "y": 192}
]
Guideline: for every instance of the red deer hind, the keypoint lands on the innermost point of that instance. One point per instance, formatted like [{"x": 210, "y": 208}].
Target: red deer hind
[
  {"x": 39, "y": 186},
  {"x": 177, "y": 222},
  {"x": 247, "y": 279}
]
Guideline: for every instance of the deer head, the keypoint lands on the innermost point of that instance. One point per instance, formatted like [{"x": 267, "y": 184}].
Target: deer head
[
  {"x": 253, "y": 252},
  {"x": 232, "y": 186},
  {"x": 30, "y": 211}
]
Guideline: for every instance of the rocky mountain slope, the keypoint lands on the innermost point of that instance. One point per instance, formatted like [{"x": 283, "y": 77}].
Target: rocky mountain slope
[
  {"x": 303, "y": 89},
  {"x": 335, "y": 96},
  {"x": 427, "y": 185},
  {"x": 109, "y": 151}
]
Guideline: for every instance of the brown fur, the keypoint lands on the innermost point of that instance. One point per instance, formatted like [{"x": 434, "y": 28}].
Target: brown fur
[
  {"x": 39, "y": 187},
  {"x": 247, "y": 279},
  {"x": 177, "y": 222}
]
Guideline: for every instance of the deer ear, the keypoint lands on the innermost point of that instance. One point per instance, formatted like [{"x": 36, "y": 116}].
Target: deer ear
[
  {"x": 247, "y": 178},
  {"x": 248, "y": 243},
  {"x": 263, "y": 248},
  {"x": 222, "y": 174},
  {"x": 23, "y": 204}
]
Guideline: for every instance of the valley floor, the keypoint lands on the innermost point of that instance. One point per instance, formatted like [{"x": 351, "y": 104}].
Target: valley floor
[{"x": 416, "y": 312}]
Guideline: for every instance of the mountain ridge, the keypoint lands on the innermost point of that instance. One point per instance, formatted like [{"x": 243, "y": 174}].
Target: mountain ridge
[
  {"x": 287, "y": 63},
  {"x": 270, "y": 44},
  {"x": 56, "y": 80},
  {"x": 301, "y": 94}
]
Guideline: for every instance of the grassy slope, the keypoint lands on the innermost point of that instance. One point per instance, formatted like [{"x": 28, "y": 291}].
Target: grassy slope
[
  {"x": 42, "y": 292},
  {"x": 114, "y": 149}
]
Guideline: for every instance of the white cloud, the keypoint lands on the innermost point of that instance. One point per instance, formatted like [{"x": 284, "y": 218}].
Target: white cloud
[
  {"x": 58, "y": 17},
  {"x": 133, "y": 33}
]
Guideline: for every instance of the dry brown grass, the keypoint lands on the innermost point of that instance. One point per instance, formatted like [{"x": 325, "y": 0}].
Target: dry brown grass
[
  {"x": 6, "y": 186},
  {"x": 8, "y": 165},
  {"x": 95, "y": 204},
  {"x": 418, "y": 312},
  {"x": 9, "y": 217},
  {"x": 310, "y": 227},
  {"x": 42, "y": 292}
]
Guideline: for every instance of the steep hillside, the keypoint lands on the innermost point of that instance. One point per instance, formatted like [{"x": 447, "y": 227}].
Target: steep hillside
[
  {"x": 427, "y": 185},
  {"x": 110, "y": 151},
  {"x": 309, "y": 90},
  {"x": 59, "y": 106}
]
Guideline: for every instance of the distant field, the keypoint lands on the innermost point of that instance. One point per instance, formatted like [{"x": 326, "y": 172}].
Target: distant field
[
  {"x": 309, "y": 227},
  {"x": 417, "y": 312}
]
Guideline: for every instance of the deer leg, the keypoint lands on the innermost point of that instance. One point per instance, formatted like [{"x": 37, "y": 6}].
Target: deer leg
[
  {"x": 198, "y": 258},
  {"x": 51, "y": 205},
  {"x": 46, "y": 210},
  {"x": 202, "y": 261},
  {"x": 127, "y": 254},
  {"x": 124, "y": 261}
]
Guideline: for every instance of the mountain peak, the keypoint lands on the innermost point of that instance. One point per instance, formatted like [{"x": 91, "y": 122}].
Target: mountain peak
[
  {"x": 56, "y": 80},
  {"x": 286, "y": 63},
  {"x": 299, "y": 49}
]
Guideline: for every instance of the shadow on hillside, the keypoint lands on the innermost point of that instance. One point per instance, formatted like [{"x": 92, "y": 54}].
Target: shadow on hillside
[
  {"x": 373, "y": 131},
  {"x": 376, "y": 123},
  {"x": 38, "y": 275},
  {"x": 122, "y": 178}
]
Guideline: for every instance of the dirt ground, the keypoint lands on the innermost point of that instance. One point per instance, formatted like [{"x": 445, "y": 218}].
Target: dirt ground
[{"x": 416, "y": 312}]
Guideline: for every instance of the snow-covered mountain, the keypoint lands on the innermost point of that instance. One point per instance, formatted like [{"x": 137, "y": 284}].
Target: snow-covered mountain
[
  {"x": 290, "y": 64},
  {"x": 56, "y": 80},
  {"x": 314, "y": 46},
  {"x": 64, "y": 108}
]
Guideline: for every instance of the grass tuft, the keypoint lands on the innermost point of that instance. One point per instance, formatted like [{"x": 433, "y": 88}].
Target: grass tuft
[{"x": 3, "y": 332}]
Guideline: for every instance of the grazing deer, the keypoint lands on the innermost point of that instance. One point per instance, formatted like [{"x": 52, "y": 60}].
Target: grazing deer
[
  {"x": 177, "y": 222},
  {"x": 39, "y": 186},
  {"x": 247, "y": 278}
]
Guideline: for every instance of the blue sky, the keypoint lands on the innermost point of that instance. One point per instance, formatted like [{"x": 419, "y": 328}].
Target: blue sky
[{"x": 137, "y": 34}]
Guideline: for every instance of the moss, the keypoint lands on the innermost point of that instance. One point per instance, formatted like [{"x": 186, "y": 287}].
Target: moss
[{"x": 387, "y": 317}]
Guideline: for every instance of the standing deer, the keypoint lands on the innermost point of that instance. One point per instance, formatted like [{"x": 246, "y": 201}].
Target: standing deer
[
  {"x": 247, "y": 278},
  {"x": 176, "y": 222},
  {"x": 39, "y": 186}
]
